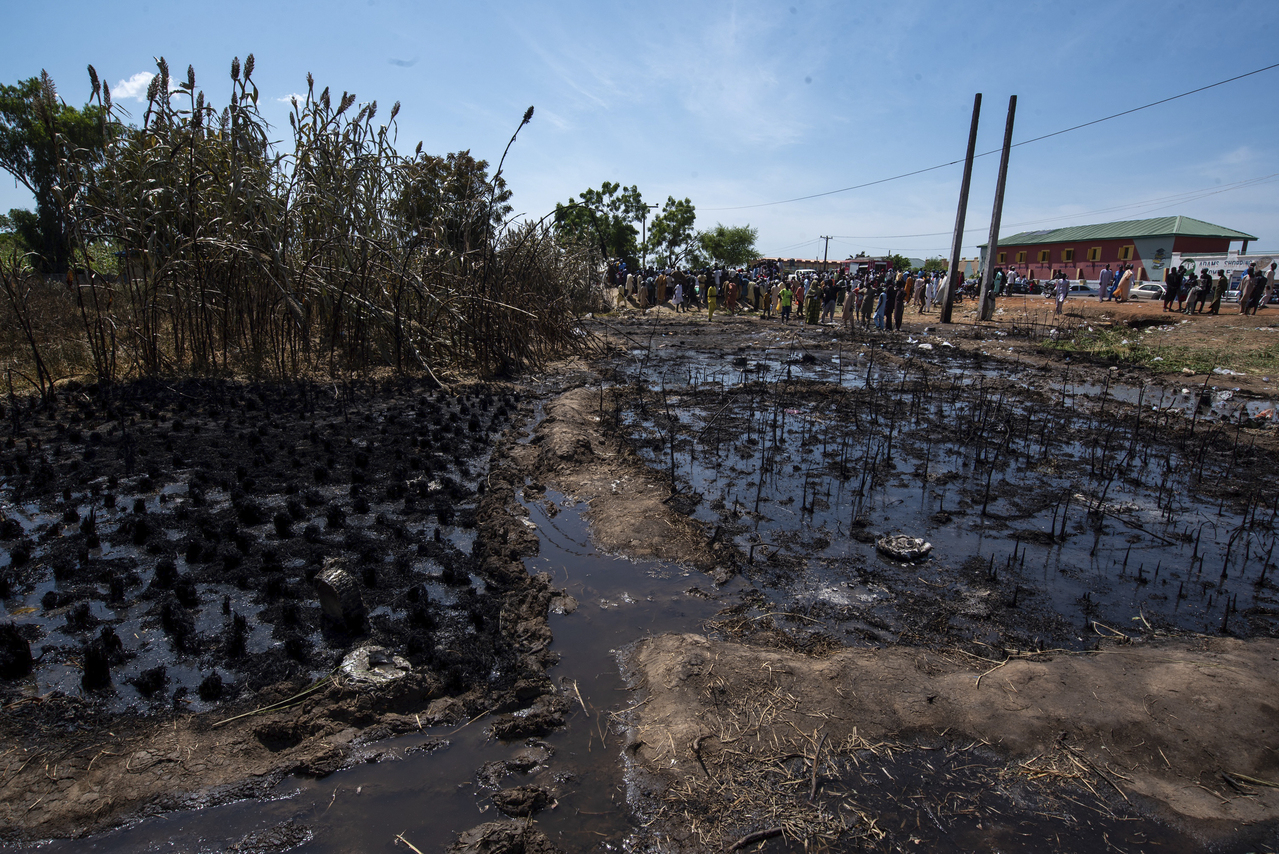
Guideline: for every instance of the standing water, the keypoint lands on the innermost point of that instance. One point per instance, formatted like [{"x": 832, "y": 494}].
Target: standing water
[{"x": 425, "y": 786}]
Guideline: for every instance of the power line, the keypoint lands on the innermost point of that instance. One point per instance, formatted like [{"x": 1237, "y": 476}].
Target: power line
[
  {"x": 996, "y": 150},
  {"x": 1177, "y": 198}
]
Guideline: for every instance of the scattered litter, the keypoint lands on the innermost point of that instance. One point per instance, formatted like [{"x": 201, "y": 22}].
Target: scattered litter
[
  {"x": 1157, "y": 359},
  {"x": 1227, "y": 372},
  {"x": 925, "y": 346},
  {"x": 903, "y": 547},
  {"x": 1188, "y": 372},
  {"x": 370, "y": 666},
  {"x": 947, "y": 344}
]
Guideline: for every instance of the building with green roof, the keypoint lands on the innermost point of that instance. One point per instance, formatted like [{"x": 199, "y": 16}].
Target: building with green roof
[{"x": 1083, "y": 250}]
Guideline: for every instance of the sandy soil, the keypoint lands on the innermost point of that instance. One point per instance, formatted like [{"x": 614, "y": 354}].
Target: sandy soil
[{"x": 1186, "y": 725}]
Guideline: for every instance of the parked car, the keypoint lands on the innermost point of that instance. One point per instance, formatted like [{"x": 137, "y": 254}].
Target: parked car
[
  {"x": 1148, "y": 290},
  {"x": 1076, "y": 290}
]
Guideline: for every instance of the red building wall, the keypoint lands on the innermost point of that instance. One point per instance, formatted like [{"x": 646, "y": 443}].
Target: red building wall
[{"x": 1110, "y": 249}]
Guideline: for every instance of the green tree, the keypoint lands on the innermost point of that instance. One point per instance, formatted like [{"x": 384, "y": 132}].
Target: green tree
[
  {"x": 731, "y": 245},
  {"x": 445, "y": 200},
  {"x": 898, "y": 262},
  {"x": 936, "y": 265},
  {"x": 670, "y": 238},
  {"x": 604, "y": 218},
  {"x": 38, "y": 135}
]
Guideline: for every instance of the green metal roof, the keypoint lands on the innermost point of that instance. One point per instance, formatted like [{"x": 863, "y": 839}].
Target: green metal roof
[{"x": 1163, "y": 226}]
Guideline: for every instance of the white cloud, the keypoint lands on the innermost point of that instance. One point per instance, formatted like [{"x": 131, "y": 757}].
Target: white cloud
[
  {"x": 288, "y": 99},
  {"x": 135, "y": 87}
]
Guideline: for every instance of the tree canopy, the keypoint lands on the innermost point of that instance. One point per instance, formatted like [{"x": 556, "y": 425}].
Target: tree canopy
[
  {"x": 670, "y": 237},
  {"x": 604, "y": 218},
  {"x": 446, "y": 200},
  {"x": 37, "y": 133},
  {"x": 730, "y": 245}
]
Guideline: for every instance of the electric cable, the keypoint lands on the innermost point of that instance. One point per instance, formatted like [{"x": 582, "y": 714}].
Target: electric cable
[{"x": 997, "y": 150}]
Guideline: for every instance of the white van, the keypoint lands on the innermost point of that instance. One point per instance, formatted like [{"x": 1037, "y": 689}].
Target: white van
[{"x": 800, "y": 275}]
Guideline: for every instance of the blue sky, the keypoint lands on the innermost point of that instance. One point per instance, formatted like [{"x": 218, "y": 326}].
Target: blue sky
[{"x": 738, "y": 104}]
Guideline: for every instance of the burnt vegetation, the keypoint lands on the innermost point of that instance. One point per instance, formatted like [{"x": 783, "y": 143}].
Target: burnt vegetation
[{"x": 219, "y": 594}]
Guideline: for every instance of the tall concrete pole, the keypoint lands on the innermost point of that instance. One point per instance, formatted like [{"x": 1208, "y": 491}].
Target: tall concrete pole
[
  {"x": 952, "y": 280},
  {"x": 987, "y": 303},
  {"x": 825, "y": 252}
]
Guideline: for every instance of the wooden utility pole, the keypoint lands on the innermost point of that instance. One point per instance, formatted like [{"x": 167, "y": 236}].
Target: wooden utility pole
[
  {"x": 986, "y": 308},
  {"x": 825, "y": 252},
  {"x": 952, "y": 280}
]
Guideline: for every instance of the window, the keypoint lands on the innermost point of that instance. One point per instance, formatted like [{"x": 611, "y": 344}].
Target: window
[
  {"x": 1043, "y": 256},
  {"x": 1068, "y": 255},
  {"x": 1021, "y": 257},
  {"x": 1003, "y": 257},
  {"x": 1094, "y": 254},
  {"x": 1125, "y": 253}
]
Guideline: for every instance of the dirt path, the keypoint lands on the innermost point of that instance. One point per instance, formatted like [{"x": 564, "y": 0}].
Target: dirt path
[{"x": 1189, "y": 727}]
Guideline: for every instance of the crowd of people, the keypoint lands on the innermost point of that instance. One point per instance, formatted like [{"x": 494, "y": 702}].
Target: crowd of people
[
  {"x": 878, "y": 299},
  {"x": 1203, "y": 295}
]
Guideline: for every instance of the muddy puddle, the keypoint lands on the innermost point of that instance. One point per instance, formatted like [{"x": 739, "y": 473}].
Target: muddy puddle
[
  {"x": 1058, "y": 510},
  {"x": 427, "y": 786}
]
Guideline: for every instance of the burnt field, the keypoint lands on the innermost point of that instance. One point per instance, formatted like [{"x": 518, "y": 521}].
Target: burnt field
[
  {"x": 182, "y": 528},
  {"x": 218, "y": 548},
  {"x": 1063, "y": 503},
  {"x": 188, "y": 565},
  {"x": 1063, "y": 516}
]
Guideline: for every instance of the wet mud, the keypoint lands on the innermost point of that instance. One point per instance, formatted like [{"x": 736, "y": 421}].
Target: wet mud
[
  {"x": 720, "y": 492},
  {"x": 169, "y": 550}
]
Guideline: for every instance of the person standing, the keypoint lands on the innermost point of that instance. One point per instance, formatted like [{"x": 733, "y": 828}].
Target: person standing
[
  {"x": 829, "y": 293},
  {"x": 1258, "y": 291},
  {"x": 881, "y": 307},
  {"x": 1125, "y": 285},
  {"x": 899, "y": 309},
  {"x": 1105, "y": 283},
  {"x": 1063, "y": 290},
  {"x": 851, "y": 306},
  {"x": 785, "y": 299},
  {"x": 1223, "y": 285},
  {"x": 677, "y": 299},
  {"x": 1245, "y": 287},
  {"x": 712, "y": 297},
  {"x": 1172, "y": 287},
  {"x": 1205, "y": 292}
]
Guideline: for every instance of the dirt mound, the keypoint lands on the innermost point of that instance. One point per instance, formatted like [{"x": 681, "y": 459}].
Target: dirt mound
[
  {"x": 630, "y": 505},
  {"x": 1184, "y": 727}
]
